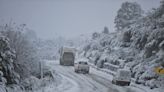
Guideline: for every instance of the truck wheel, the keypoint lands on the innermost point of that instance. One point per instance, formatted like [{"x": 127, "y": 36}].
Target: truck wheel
[
  {"x": 116, "y": 82},
  {"x": 61, "y": 63},
  {"x": 128, "y": 83},
  {"x": 76, "y": 71},
  {"x": 112, "y": 82}
]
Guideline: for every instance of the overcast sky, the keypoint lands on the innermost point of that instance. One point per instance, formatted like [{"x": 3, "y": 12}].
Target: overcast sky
[{"x": 67, "y": 18}]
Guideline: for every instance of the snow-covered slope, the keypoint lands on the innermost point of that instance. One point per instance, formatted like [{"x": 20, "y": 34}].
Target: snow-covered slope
[{"x": 139, "y": 46}]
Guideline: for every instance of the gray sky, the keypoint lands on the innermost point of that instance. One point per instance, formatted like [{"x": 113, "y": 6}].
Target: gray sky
[{"x": 67, "y": 18}]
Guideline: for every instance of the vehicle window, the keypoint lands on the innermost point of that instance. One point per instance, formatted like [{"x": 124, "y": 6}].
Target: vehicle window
[
  {"x": 84, "y": 63},
  {"x": 124, "y": 73},
  {"x": 68, "y": 56}
]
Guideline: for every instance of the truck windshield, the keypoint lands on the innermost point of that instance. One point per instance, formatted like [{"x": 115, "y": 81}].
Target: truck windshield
[
  {"x": 68, "y": 56},
  {"x": 125, "y": 74},
  {"x": 84, "y": 63}
]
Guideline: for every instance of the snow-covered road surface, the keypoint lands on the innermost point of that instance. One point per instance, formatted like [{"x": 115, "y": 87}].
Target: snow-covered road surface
[{"x": 95, "y": 81}]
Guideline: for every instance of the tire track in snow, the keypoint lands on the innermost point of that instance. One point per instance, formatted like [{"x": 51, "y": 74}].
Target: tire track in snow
[
  {"x": 85, "y": 84},
  {"x": 68, "y": 85},
  {"x": 92, "y": 82},
  {"x": 107, "y": 81},
  {"x": 66, "y": 73}
]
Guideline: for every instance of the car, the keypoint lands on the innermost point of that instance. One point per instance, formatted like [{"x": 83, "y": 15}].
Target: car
[
  {"x": 122, "y": 77},
  {"x": 81, "y": 66}
]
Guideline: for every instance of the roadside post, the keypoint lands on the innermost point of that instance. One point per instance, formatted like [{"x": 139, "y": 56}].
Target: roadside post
[{"x": 41, "y": 72}]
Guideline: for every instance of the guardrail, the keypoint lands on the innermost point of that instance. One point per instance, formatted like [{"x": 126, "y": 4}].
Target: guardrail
[
  {"x": 103, "y": 70},
  {"x": 113, "y": 73},
  {"x": 111, "y": 67}
]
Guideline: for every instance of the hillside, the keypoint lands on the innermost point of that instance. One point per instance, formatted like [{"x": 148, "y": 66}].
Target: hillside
[{"x": 138, "y": 45}]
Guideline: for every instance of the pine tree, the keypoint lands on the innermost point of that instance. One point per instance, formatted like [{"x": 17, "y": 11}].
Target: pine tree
[
  {"x": 105, "y": 31},
  {"x": 127, "y": 14}
]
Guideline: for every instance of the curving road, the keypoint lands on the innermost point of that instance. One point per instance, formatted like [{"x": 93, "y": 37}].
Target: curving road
[{"x": 95, "y": 81}]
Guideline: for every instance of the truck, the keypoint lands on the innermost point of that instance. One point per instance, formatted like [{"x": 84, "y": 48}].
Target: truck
[
  {"x": 67, "y": 56},
  {"x": 81, "y": 66},
  {"x": 122, "y": 77}
]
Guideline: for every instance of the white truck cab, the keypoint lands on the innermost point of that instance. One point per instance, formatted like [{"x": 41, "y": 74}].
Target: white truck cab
[
  {"x": 122, "y": 77},
  {"x": 81, "y": 66}
]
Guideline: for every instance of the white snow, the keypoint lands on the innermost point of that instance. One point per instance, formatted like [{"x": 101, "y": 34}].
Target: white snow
[{"x": 95, "y": 81}]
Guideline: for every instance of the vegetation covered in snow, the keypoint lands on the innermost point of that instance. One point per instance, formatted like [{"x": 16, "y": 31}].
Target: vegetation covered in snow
[
  {"x": 138, "y": 43},
  {"x": 20, "y": 60}
]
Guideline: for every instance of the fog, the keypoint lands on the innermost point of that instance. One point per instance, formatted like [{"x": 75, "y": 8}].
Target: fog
[{"x": 67, "y": 18}]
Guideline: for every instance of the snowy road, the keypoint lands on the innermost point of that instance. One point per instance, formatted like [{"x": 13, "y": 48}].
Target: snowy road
[{"x": 95, "y": 81}]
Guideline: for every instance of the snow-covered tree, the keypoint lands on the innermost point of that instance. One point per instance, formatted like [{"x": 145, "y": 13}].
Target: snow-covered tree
[
  {"x": 95, "y": 35},
  {"x": 106, "y": 30},
  {"x": 26, "y": 60},
  {"x": 140, "y": 44},
  {"x": 7, "y": 57},
  {"x": 127, "y": 14}
]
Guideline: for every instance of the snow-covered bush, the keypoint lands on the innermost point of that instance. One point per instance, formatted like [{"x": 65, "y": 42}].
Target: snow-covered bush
[
  {"x": 7, "y": 57},
  {"x": 95, "y": 35},
  {"x": 26, "y": 60},
  {"x": 31, "y": 83},
  {"x": 15, "y": 88},
  {"x": 18, "y": 58},
  {"x": 102, "y": 60}
]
